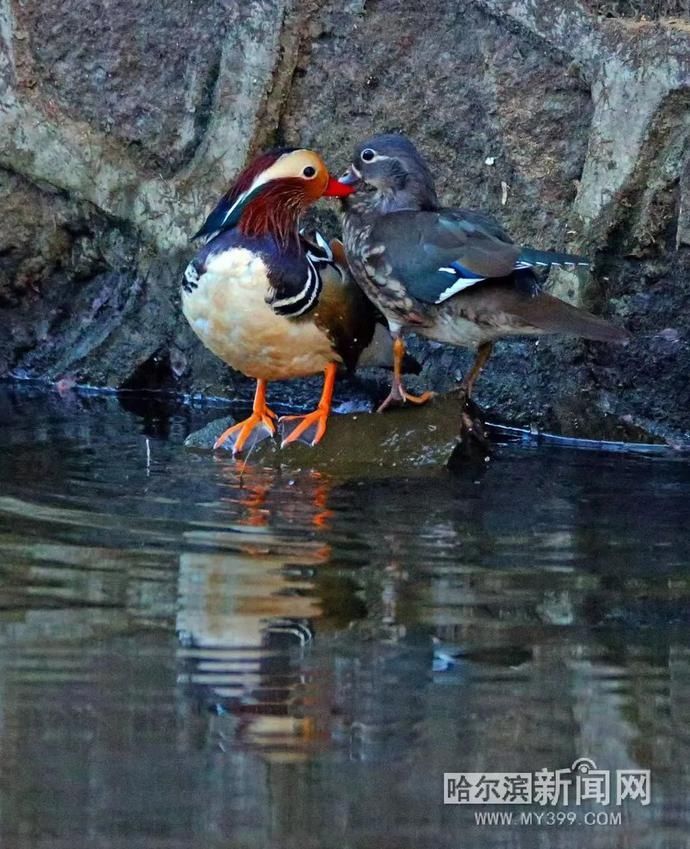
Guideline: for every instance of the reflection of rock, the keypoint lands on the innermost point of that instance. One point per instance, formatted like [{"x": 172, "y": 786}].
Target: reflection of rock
[
  {"x": 56, "y": 588},
  {"x": 114, "y": 147},
  {"x": 557, "y": 608}
]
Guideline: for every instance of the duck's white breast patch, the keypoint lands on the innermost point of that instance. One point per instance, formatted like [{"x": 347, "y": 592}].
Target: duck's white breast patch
[{"x": 228, "y": 312}]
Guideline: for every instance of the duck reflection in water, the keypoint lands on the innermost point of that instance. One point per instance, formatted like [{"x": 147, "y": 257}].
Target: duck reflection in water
[
  {"x": 248, "y": 611},
  {"x": 271, "y": 628}
]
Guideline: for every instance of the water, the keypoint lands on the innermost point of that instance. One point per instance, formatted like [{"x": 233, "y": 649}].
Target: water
[{"x": 293, "y": 658}]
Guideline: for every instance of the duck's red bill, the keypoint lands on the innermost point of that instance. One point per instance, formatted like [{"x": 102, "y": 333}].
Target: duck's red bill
[{"x": 336, "y": 189}]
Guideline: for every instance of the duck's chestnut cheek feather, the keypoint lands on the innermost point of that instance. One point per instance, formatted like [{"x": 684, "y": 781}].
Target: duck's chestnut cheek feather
[{"x": 336, "y": 189}]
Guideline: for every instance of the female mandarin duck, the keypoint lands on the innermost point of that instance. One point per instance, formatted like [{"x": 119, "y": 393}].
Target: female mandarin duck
[
  {"x": 453, "y": 275},
  {"x": 267, "y": 301}
]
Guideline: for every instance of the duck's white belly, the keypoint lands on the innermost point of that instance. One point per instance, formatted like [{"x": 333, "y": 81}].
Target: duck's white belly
[{"x": 227, "y": 311}]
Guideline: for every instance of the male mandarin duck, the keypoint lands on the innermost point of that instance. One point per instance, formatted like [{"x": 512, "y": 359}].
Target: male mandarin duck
[
  {"x": 271, "y": 303},
  {"x": 453, "y": 275}
]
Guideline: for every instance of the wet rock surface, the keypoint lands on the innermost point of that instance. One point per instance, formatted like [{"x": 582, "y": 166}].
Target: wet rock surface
[
  {"x": 361, "y": 441},
  {"x": 120, "y": 128},
  {"x": 440, "y": 433}
]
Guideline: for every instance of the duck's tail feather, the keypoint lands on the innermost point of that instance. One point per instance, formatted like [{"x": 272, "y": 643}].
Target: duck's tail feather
[
  {"x": 552, "y": 315},
  {"x": 545, "y": 259}
]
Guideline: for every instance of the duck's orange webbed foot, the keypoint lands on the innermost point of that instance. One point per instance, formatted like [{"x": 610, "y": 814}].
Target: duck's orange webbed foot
[
  {"x": 259, "y": 426},
  {"x": 248, "y": 433},
  {"x": 398, "y": 394},
  {"x": 311, "y": 428}
]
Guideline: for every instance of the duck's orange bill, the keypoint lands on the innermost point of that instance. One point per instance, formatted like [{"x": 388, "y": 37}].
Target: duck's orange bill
[{"x": 336, "y": 189}]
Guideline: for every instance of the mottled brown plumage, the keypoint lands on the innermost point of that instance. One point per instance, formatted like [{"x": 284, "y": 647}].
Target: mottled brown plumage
[{"x": 453, "y": 275}]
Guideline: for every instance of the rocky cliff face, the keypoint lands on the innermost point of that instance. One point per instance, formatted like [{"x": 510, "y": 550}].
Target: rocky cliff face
[{"x": 121, "y": 123}]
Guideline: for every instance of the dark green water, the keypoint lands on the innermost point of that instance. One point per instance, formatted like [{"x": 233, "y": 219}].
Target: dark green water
[{"x": 294, "y": 659}]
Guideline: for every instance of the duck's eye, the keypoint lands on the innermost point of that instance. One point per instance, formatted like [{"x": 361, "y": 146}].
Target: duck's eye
[
  {"x": 309, "y": 172},
  {"x": 368, "y": 155}
]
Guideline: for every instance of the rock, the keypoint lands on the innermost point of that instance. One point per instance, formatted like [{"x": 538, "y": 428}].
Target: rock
[
  {"x": 121, "y": 124},
  {"x": 366, "y": 444},
  {"x": 205, "y": 438},
  {"x": 362, "y": 443}
]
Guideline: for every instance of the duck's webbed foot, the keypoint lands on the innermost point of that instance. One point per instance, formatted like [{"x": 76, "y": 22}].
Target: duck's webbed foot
[
  {"x": 308, "y": 429},
  {"x": 398, "y": 394},
  {"x": 311, "y": 428},
  {"x": 248, "y": 433}
]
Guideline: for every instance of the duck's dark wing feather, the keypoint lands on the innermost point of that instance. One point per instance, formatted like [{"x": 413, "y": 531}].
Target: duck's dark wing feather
[{"x": 435, "y": 255}]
